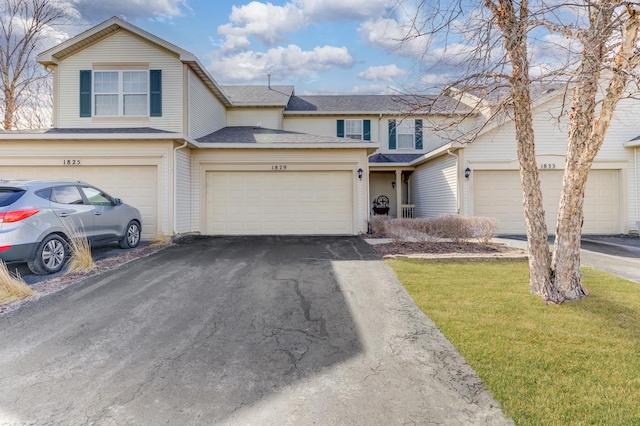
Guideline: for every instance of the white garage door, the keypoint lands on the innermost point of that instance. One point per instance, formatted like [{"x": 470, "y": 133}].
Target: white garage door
[
  {"x": 135, "y": 185},
  {"x": 498, "y": 194},
  {"x": 279, "y": 203}
]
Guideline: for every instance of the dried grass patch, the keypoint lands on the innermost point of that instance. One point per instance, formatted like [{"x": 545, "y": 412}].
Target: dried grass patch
[{"x": 12, "y": 287}]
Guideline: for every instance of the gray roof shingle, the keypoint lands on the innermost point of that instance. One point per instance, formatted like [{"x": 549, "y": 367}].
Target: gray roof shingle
[
  {"x": 393, "y": 158},
  {"x": 375, "y": 104},
  {"x": 259, "y": 135},
  {"x": 259, "y": 95}
]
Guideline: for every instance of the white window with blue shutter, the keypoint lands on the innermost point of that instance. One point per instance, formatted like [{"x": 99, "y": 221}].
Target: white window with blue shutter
[
  {"x": 405, "y": 134},
  {"x": 354, "y": 129},
  {"x": 116, "y": 93}
]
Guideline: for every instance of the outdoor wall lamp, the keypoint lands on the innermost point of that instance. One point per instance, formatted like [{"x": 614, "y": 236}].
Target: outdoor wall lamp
[
  {"x": 360, "y": 174},
  {"x": 467, "y": 173},
  {"x": 393, "y": 184}
]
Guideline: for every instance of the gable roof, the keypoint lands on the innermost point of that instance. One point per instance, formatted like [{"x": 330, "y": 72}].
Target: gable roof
[
  {"x": 114, "y": 24},
  {"x": 375, "y": 104},
  {"x": 247, "y": 95}
]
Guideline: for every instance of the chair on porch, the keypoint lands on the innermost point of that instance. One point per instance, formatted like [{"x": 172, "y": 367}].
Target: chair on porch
[{"x": 381, "y": 205}]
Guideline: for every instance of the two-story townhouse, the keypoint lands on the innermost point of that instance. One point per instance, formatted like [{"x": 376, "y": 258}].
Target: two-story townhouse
[{"x": 144, "y": 120}]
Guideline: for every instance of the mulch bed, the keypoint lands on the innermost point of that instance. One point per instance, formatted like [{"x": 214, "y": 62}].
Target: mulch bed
[{"x": 442, "y": 247}]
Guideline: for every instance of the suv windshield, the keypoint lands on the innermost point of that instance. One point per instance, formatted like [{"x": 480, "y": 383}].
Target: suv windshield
[{"x": 9, "y": 196}]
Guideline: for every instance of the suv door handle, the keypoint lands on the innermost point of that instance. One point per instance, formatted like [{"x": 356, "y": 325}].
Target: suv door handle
[
  {"x": 63, "y": 214},
  {"x": 97, "y": 213}
]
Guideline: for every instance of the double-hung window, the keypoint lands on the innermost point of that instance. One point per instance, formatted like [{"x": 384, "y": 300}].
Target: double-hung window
[
  {"x": 354, "y": 129},
  {"x": 121, "y": 93},
  {"x": 405, "y": 134}
]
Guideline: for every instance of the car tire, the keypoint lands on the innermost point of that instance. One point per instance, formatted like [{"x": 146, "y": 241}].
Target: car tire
[
  {"x": 51, "y": 255},
  {"x": 131, "y": 236}
]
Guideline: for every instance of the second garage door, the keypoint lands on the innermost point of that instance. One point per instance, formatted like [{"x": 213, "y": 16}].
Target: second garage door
[
  {"x": 135, "y": 185},
  {"x": 498, "y": 194},
  {"x": 279, "y": 203}
]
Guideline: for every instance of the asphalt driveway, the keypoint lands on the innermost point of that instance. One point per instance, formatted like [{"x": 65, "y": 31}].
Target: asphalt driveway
[{"x": 237, "y": 331}]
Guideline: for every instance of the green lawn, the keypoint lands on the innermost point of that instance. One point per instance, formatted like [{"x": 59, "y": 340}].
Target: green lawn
[{"x": 577, "y": 363}]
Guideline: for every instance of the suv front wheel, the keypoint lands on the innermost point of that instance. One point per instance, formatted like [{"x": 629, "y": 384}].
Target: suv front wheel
[
  {"x": 131, "y": 237},
  {"x": 51, "y": 255}
]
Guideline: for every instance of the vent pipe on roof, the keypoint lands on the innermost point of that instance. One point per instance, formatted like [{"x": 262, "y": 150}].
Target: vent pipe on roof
[{"x": 269, "y": 81}]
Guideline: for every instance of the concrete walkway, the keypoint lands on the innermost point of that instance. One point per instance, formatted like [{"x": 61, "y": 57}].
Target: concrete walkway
[{"x": 617, "y": 255}]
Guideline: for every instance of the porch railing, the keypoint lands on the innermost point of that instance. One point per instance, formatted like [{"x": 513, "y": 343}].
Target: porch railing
[{"x": 408, "y": 210}]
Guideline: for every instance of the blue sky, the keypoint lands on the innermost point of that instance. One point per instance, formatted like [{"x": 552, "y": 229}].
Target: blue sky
[{"x": 319, "y": 46}]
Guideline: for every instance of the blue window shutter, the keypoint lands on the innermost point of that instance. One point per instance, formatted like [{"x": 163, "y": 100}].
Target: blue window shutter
[
  {"x": 366, "y": 130},
  {"x": 418, "y": 134},
  {"x": 340, "y": 129},
  {"x": 85, "y": 93},
  {"x": 392, "y": 134},
  {"x": 155, "y": 95}
]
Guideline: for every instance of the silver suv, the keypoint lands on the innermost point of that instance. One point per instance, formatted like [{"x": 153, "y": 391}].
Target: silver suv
[{"x": 38, "y": 217}]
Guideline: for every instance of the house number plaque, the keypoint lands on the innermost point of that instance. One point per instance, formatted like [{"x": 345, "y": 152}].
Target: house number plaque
[
  {"x": 279, "y": 167},
  {"x": 547, "y": 166},
  {"x": 71, "y": 162}
]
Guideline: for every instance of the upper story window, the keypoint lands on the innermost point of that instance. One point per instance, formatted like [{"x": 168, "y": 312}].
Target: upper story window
[
  {"x": 354, "y": 129},
  {"x": 126, "y": 93},
  {"x": 405, "y": 134},
  {"x": 121, "y": 93}
]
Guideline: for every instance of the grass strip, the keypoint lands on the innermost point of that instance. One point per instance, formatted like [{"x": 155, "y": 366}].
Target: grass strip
[{"x": 577, "y": 363}]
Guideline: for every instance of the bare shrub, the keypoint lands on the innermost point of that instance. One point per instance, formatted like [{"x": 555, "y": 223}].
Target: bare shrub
[
  {"x": 378, "y": 225},
  {"x": 456, "y": 228},
  {"x": 12, "y": 287},
  {"x": 399, "y": 230},
  {"x": 484, "y": 228},
  {"x": 424, "y": 229}
]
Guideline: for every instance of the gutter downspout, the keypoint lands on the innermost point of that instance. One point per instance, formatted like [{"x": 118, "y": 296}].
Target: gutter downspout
[
  {"x": 175, "y": 186},
  {"x": 457, "y": 175}
]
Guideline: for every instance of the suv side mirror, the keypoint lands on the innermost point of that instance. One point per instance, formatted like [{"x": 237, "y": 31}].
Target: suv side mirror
[{"x": 117, "y": 201}]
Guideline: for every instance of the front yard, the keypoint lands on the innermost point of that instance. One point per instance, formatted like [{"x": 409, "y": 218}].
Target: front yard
[{"x": 575, "y": 364}]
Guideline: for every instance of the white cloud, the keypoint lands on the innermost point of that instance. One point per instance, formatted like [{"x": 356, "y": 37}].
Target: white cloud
[
  {"x": 391, "y": 36},
  {"x": 340, "y": 10},
  {"x": 263, "y": 21},
  {"x": 284, "y": 63},
  {"x": 129, "y": 9},
  {"x": 383, "y": 73}
]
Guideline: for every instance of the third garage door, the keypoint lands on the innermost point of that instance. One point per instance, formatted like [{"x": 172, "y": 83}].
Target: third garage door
[
  {"x": 279, "y": 203},
  {"x": 498, "y": 194}
]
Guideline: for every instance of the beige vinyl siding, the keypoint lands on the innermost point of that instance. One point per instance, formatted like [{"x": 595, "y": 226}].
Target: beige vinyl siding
[
  {"x": 380, "y": 184},
  {"x": 183, "y": 191},
  {"x": 121, "y": 47},
  {"x": 206, "y": 112},
  {"x": 268, "y": 118},
  {"x": 262, "y": 160},
  {"x": 434, "y": 189}
]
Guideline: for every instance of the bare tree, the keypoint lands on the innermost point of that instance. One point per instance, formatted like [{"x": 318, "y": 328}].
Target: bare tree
[
  {"x": 24, "y": 25},
  {"x": 599, "y": 71}
]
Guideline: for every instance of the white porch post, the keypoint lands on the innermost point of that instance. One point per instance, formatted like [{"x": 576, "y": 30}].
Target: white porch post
[{"x": 399, "y": 194}]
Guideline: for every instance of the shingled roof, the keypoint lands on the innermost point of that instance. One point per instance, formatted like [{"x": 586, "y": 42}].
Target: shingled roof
[
  {"x": 259, "y": 95},
  {"x": 375, "y": 104},
  {"x": 259, "y": 135}
]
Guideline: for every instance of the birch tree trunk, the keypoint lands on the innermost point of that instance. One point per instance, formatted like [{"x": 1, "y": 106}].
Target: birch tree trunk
[
  {"x": 513, "y": 25},
  {"x": 586, "y": 135}
]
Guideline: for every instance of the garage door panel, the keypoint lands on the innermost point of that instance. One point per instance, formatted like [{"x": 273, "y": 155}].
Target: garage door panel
[
  {"x": 293, "y": 203},
  {"x": 497, "y": 194},
  {"x": 135, "y": 185}
]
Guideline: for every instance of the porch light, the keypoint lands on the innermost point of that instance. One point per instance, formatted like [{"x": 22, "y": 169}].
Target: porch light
[
  {"x": 360, "y": 174},
  {"x": 467, "y": 173},
  {"x": 393, "y": 184}
]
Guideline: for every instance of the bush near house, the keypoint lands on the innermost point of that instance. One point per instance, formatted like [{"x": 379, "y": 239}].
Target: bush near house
[{"x": 449, "y": 227}]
